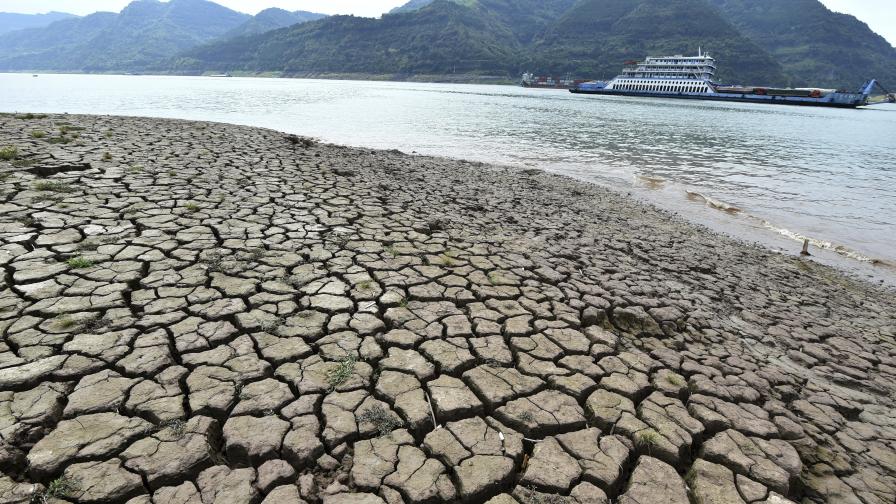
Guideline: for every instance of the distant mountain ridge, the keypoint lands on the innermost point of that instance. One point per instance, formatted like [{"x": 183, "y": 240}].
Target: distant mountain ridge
[
  {"x": 586, "y": 38},
  {"x": 136, "y": 39},
  {"x": 771, "y": 42},
  {"x": 815, "y": 45},
  {"x": 411, "y": 6},
  {"x": 11, "y": 21},
  {"x": 272, "y": 19},
  {"x": 629, "y": 29}
]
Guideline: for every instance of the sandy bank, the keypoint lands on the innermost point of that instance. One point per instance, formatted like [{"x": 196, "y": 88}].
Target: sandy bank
[{"x": 222, "y": 313}]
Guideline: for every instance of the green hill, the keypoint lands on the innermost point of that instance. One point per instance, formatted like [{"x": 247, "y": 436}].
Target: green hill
[
  {"x": 772, "y": 42},
  {"x": 272, "y": 19},
  {"x": 444, "y": 37},
  {"x": 144, "y": 32},
  {"x": 596, "y": 36},
  {"x": 498, "y": 37},
  {"x": 814, "y": 45}
]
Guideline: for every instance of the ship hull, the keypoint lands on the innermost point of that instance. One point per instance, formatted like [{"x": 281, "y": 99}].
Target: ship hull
[{"x": 846, "y": 102}]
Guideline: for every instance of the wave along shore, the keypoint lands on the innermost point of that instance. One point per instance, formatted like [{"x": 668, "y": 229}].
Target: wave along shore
[{"x": 206, "y": 313}]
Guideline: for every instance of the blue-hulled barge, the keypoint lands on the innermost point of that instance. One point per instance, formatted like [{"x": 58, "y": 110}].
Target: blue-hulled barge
[{"x": 691, "y": 77}]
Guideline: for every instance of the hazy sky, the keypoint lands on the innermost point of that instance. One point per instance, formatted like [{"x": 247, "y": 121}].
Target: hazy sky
[{"x": 879, "y": 14}]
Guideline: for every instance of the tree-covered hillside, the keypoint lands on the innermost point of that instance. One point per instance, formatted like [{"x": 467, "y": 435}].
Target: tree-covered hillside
[
  {"x": 596, "y": 36},
  {"x": 143, "y": 33},
  {"x": 444, "y": 37},
  {"x": 771, "y": 42},
  {"x": 814, "y": 45},
  {"x": 272, "y": 19},
  {"x": 588, "y": 38}
]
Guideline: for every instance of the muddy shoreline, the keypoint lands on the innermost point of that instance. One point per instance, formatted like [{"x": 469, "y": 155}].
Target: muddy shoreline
[{"x": 202, "y": 312}]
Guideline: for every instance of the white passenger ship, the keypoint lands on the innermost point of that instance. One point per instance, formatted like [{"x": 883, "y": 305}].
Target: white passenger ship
[
  {"x": 691, "y": 77},
  {"x": 670, "y": 74}
]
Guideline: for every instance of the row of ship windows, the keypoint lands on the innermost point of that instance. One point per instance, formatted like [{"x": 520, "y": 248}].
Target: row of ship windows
[{"x": 672, "y": 88}]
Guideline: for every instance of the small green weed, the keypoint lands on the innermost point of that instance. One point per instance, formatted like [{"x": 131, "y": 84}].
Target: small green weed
[
  {"x": 647, "y": 439},
  {"x": 24, "y": 163},
  {"x": 675, "y": 379},
  {"x": 38, "y": 134},
  {"x": 59, "y": 140},
  {"x": 178, "y": 427},
  {"x": 381, "y": 419},
  {"x": 66, "y": 128},
  {"x": 445, "y": 260},
  {"x": 107, "y": 156},
  {"x": 93, "y": 325},
  {"x": 8, "y": 153},
  {"x": 31, "y": 116},
  {"x": 272, "y": 324},
  {"x": 65, "y": 322},
  {"x": 60, "y": 487},
  {"x": 52, "y": 197},
  {"x": 79, "y": 263},
  {"x": 342, "y": 372},
  {"x": 191, "y": 207},
  {"x": 255, "y": 253},
  {"x": 214, "y": 261},
  {"x": 50, "y": 186}
]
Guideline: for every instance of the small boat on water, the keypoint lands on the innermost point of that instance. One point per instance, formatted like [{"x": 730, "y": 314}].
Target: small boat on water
[
  {"x": 691, "y": 77},
  {"x": 221, "y": 75}
]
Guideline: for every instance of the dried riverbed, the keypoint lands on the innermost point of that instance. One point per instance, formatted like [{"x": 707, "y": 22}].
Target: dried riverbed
[{"x": 204, "y": 313}]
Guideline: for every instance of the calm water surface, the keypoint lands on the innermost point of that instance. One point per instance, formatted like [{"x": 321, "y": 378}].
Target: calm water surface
[{"x": 826, "y": 174}]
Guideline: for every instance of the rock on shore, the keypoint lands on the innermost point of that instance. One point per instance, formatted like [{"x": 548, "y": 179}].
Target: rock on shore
[{"x": 206, "y": 313}]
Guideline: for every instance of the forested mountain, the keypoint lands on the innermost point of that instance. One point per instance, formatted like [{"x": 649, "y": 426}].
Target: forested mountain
[
  {"x": 815, "y": 45},
  {"x": 10, "y": 21},
  {"x": 596, "y": 36},
  {"x": 772, "y": 42},
  {"x": 498, "y": 37},
  {"x": 144, "y": 32},
  {"x": 272, "y": 19},
  {"x": 439, "y": 38}
]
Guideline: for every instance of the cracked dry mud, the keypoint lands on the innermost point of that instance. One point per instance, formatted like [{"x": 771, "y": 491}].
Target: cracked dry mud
[{"x": 206, "y": 313}]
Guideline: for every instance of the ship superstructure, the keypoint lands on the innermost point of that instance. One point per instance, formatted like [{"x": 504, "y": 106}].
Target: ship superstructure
[{"x": 670, "y": 74}]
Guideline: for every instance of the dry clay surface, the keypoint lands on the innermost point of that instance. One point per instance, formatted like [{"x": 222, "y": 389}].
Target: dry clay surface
[{"x": 204, "y": 313}]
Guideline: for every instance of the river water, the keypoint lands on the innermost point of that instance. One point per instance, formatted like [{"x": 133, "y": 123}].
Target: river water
[{"x": 773, "y": 174}]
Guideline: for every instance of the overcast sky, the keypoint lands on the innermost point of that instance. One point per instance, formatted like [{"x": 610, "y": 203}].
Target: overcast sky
[{"x": 879, "y": 14}]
